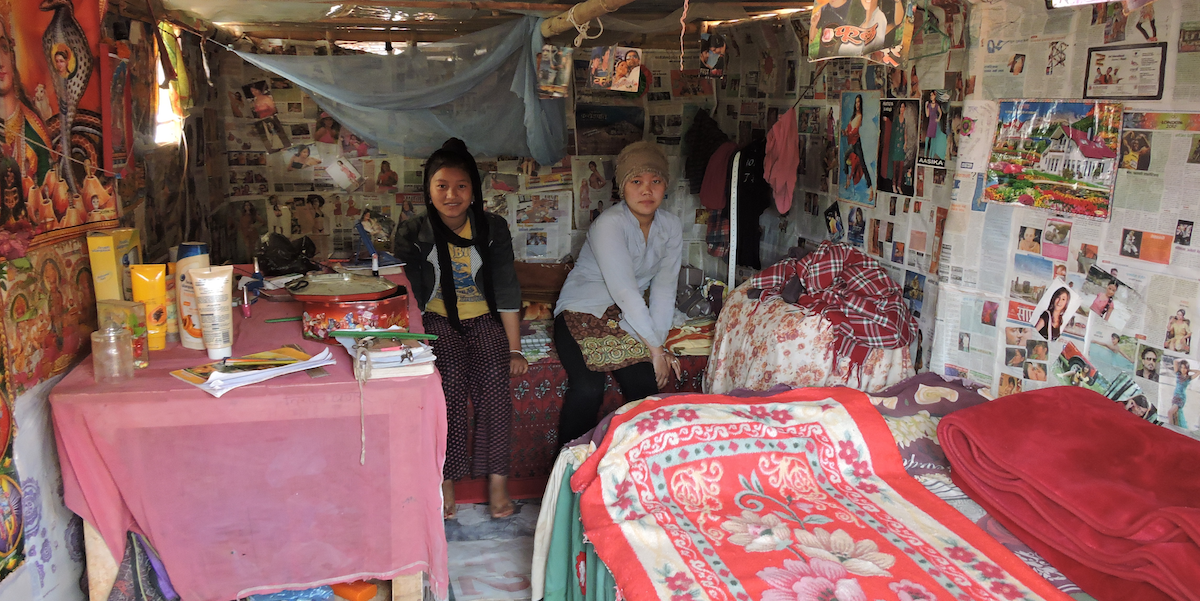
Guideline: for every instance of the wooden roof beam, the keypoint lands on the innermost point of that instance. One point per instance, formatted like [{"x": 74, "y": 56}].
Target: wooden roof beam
[{"x": 435, "y": 4}]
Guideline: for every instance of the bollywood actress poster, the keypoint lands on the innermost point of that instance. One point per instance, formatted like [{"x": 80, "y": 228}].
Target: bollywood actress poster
[
  {"x": 879, "y": 31},
  {"x": 858, "y": 147},
  {"x": 935, "y": 128},
  {"x": 898, "y": 146}
]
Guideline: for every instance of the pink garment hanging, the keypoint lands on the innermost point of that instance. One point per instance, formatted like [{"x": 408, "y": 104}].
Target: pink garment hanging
[
  {"x": 714, "y": 191},
  {"x": 783, "y": 155}
]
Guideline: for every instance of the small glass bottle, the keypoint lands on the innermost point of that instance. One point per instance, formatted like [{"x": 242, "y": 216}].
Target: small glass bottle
[{"x": 112, "y": 355}]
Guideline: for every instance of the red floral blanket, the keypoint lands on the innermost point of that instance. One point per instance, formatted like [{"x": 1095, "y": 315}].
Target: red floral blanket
[{"x": 799, "y": 496}]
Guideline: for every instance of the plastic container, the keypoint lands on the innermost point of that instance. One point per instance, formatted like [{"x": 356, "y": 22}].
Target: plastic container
[
  {"x": 150, "y": 288},
  {"x": 130, "y": 316},
  {"x": 172, "y": 306},
  {"x": 112, "y": 355},
  {"x": 321, "y": 318},
  {"x": 214, "y": 292},
  {"x": 191, "y": 255}
]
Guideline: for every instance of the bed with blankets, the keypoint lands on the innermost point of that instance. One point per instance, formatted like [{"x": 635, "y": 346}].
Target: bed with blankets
[
  {"x": 832, "y": 493},
  {"x": 781, "y": 485},
  {"x": 826, "y": 318}
]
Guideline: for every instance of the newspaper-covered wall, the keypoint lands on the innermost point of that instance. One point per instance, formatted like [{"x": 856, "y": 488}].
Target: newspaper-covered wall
[{"x": 1030, "y": 297}]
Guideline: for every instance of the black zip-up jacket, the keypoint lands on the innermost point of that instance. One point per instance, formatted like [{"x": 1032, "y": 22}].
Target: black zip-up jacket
[{"x": 413, "y": 244}]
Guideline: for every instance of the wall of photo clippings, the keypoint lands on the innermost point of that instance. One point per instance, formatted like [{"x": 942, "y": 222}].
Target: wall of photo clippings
[{"x": 985, "y": 172}]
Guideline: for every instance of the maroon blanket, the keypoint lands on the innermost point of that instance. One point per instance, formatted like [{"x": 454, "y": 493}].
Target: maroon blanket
[{"x": 1111, "y": 500}]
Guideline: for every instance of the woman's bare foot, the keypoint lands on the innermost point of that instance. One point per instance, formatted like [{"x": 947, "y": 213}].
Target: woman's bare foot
[
  {"x": 449, "y": 509},
  {"x": 500, "y": 505}
]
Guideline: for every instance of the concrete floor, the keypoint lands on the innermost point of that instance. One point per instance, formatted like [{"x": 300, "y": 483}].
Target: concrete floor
[{"x": 490, "y": 559}]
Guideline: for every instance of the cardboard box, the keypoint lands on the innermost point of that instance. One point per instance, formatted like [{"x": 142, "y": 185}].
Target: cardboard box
[{"x": 111, "y": 253}]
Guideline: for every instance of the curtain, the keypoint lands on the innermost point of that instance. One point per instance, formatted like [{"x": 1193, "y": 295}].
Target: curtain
[{"x": 481, "y": 88}]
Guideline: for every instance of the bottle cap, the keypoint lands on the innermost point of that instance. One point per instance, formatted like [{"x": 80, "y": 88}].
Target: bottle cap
[
  {"x": 220, "y": 353},
  {"x": 191, "y": 249}
]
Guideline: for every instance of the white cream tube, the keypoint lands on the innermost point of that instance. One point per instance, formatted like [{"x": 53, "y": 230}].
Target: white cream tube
[{"x": 214, "y": 301}]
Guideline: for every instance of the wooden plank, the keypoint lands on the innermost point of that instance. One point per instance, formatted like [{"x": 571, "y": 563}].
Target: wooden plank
[
  {"x": 101, "y": 567},
  {"x": 408, "y": 588}
]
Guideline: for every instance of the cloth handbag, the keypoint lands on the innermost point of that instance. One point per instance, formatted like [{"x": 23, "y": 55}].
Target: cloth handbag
[{"x": 605, "y": 345}]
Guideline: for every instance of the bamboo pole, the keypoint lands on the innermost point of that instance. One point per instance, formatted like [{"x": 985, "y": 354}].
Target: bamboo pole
[
  {"x": 472, "y": 4},
  {"x": 584, "y": 12}
]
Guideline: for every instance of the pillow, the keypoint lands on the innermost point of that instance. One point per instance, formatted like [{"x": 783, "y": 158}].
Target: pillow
[
  {"x": 936, "y": 395},
  {"x": 532, "y": 311},
  {"x": 912, "y": 410}
]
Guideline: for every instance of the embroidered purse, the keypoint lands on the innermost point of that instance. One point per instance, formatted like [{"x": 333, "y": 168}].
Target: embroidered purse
[{"x": 605, "y": 345}]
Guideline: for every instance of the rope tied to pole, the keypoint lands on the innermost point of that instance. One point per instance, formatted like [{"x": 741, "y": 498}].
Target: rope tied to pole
[{"x": 582, "y": 28}]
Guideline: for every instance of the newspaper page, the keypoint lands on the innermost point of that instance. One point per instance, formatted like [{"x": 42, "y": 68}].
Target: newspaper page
[
  {"x": 1108, "y": 26},
  {"x": 1187, "y": 60},
  {"x": 543, "y": 226},
  {"x": 975, "y": 135},
  {"x": 968, "y": 329},
  {"x": 1159, "y": 173},
  {"x": 1025, "y": 57}
]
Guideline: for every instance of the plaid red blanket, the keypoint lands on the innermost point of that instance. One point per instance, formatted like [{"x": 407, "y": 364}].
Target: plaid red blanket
[{"x": 852, "y": 291}]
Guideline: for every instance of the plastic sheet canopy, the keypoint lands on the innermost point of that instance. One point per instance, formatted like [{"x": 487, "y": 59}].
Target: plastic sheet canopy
[{"x": 481, "y": 88}]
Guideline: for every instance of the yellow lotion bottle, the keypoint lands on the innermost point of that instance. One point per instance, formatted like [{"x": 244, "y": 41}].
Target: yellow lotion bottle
[{"x": 150, "y": 289}]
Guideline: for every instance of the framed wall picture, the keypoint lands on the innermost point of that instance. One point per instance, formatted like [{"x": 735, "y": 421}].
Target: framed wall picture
[{"x": 1129, "y": 72}]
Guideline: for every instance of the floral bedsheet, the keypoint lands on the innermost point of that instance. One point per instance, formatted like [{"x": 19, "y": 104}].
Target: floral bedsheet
[
  {"x": 799, "y": 496},
  {"x": 760, "y": 344}
]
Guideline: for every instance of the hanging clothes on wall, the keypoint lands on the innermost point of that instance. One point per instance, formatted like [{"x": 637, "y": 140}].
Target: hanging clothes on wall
[
  {"x": 714, "y": 191},
  {"x": 716, "y": 238},
  {"x": 701, "y": 141},
  {"x": 754, "y": 196},
  {"x": 783, "y": 155}
]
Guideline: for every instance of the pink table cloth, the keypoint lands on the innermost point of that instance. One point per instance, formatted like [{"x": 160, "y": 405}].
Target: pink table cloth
[{"x": 261, "y": 489}]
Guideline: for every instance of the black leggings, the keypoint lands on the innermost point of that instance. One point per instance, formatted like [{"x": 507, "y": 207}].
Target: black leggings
[{"x": 585, "y": 388}]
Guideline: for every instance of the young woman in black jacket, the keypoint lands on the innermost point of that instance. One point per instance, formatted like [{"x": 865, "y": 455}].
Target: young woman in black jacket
[{"x": 459, "y": 262}]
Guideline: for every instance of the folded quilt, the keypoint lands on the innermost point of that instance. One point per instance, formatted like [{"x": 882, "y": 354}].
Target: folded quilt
[
  {"x": 1111, "y": 500},
  {"x": 852, "y": 291},
  {"x": 793, "y": 497}
]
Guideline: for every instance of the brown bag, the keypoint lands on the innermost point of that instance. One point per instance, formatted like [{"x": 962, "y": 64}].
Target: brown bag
[{"x": 605, "y": 345}]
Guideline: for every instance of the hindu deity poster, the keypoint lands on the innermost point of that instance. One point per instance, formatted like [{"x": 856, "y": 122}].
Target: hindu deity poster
[
  {"x": 118, "y": 107},
  {"x": 12, "y": 542},
  {"x": 51, "y": 168},
  {"x": 49, "y": 312}
]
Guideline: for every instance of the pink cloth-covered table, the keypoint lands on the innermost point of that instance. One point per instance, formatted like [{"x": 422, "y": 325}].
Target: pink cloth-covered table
[{"x": 261, "y": 489}]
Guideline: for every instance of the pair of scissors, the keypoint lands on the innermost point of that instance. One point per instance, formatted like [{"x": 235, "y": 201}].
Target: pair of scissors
[{"x": 297, "y": 285}]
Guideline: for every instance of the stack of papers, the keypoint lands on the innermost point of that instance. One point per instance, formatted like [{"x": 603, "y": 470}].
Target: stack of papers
[
  {"x": 384, "y": 358},
  {"x": 219, "y": 377}
]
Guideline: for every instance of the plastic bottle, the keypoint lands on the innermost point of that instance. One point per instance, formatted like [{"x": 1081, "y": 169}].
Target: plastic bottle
[
  {"x": 192, "y": 255},
  {"x": 150, "y": 289}
]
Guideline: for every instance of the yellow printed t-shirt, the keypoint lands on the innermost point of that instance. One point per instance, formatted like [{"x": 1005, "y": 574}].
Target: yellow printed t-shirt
[{"x": 471, "y": 302}]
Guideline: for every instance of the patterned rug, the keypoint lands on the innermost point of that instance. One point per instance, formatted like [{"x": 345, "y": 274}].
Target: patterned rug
[{"x": 794, "y": 497}]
